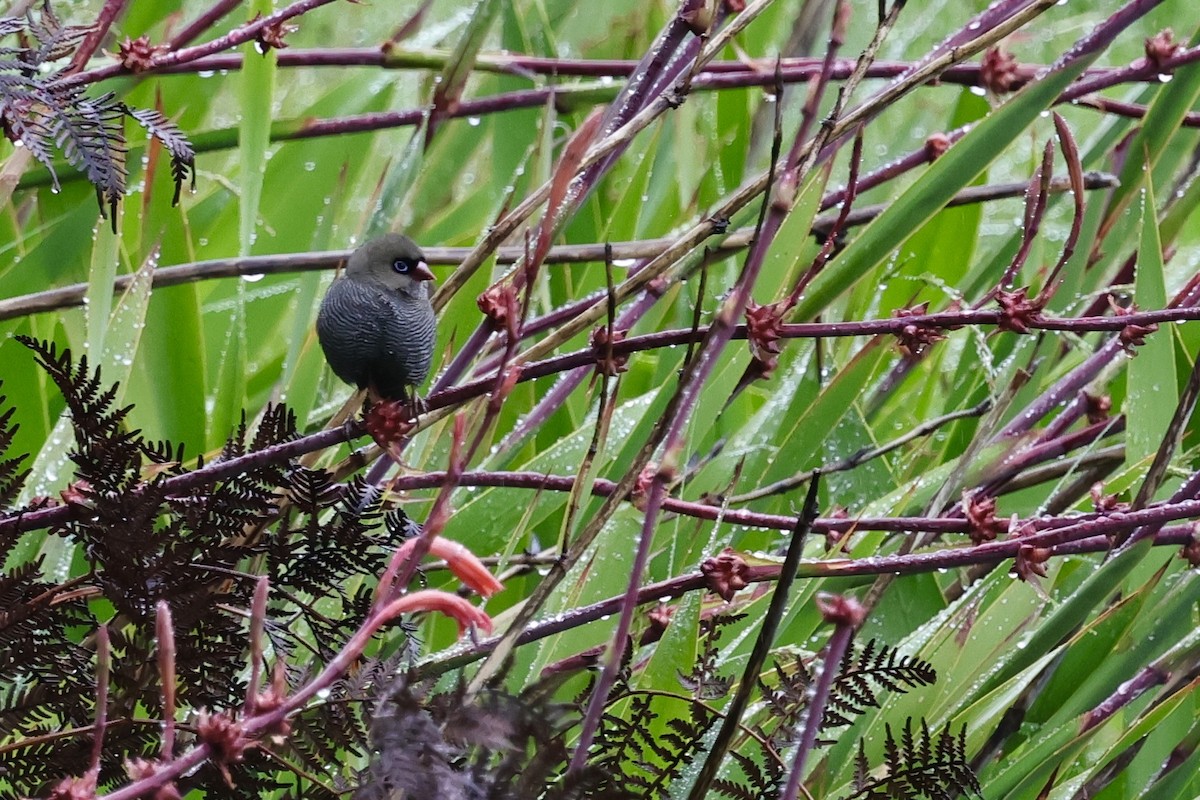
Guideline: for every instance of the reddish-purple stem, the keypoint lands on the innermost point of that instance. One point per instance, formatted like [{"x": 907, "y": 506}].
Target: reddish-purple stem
[
  {"x": 612, "y": 664},
  {"x": 1066, "y": 387},
  {"x": 91, "y": 43},
  {"x": 1103, "y": 34},
  {"x": 814, "y": 712},
  {"x": 1070, "y": 153},
  {"x": 677, "y": 417},
  {"x": 1172, "y": 536},
  {"x": 202, "y": 23},
  {"x": 1184, "y": 494},
  {"x": 238, "y": 36},
  {"x": 1035, "y": 209},
  {"x": 103, "y": 669},
  {"x": 1146, "y": 679}
]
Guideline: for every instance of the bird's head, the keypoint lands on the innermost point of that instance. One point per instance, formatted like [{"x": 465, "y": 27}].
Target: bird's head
[{"x": 393, "y": 261}]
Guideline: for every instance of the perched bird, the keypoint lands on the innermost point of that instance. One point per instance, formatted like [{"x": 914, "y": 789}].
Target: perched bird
[{"x": 376, "y": 324}]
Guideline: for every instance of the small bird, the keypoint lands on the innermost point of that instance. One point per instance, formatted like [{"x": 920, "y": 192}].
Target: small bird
[{"x": 376, "y": 323}]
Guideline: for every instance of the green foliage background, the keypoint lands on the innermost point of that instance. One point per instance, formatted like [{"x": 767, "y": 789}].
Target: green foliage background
[{"x": 192, "y": 358}]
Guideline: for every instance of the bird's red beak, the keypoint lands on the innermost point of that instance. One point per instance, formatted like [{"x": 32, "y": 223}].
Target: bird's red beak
[{"x": 422, "y": 272}]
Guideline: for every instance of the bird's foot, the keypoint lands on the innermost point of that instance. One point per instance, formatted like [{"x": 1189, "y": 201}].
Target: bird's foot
[{"x": 418, "y": 405}]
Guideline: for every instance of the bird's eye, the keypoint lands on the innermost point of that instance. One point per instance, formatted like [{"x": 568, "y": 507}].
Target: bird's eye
[{"x": 401, "y": 266}]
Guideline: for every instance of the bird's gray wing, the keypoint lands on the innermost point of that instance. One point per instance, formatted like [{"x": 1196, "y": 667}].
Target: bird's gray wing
[
  {"x": 406, "y": 346},
  {"x": 350, "y": 329}
]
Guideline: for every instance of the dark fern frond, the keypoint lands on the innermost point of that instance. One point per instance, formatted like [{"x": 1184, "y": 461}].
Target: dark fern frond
[
  {"x": 326, "y": 732},
  {"x": 364, "y": 683},
  {"x": 321, "y": 554},
  {"x": 317, "y": 563},
  {"x": 862, "y": 769},
  {"x": 60, "y": 43},
  {"x": 918, "y": 765},
  {"x": 91, "y": 410},
  {"x": 786, "y": 700},
  {"x": 45, "y": 113},
  {"x": 90, "y": 132},
  {"x": 107, "y": 457},
  {"x": 235, "y": 445},
  {"x": 953, "y": 751},
  {"x": 38, "y": 651},
  {"x": 38, "y": 763},
  {"x": 183, "y": 156},
  {"x": 165, "y": 455},
  {"x": 307, "y": 747},
  {"x": 853, "y": 691},
  {"x": 12, "y": 477},
  {"x": 15, "y": 84},
  {"x": 762, "y": 782},
  {"x": 278, "y": 425},
  {"x": 194, "y": 549},
  {"x": 412, "y": 756},
  {"x": 398, "y": 524},
  {"x": 723, "y": 787},
  {"x": 623, "y": 748},
  {"x": 215, "y": 521},
  {"x": 11, "y": 25},
  {"x": 311, "y": 490},
  {"x": 703, "y": 682},
  {"x": 888, "y": 668},
  {"x": 54, "y": 40},
  {"x": 685, "y": 741},
  {"x": 628, "y": 750},
  {"x": 209, "y": 656},
  {"x": 26, "y": 121}
]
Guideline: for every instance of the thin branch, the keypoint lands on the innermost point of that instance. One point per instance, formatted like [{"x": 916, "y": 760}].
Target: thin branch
[
  {"x": 762, "y": 646},
  {"x": 242, "y": 35},
  {"x": 862, "y": 456},
  {"x": 199, "y": 25}
]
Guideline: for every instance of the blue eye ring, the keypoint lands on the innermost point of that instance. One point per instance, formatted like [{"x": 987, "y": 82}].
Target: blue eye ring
[{"x": 401, "y": 266}]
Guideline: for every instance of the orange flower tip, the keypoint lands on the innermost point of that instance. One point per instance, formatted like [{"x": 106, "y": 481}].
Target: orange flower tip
[
  {"x": 465, "y": 614},
  {"x": 466, "y": 566}
]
